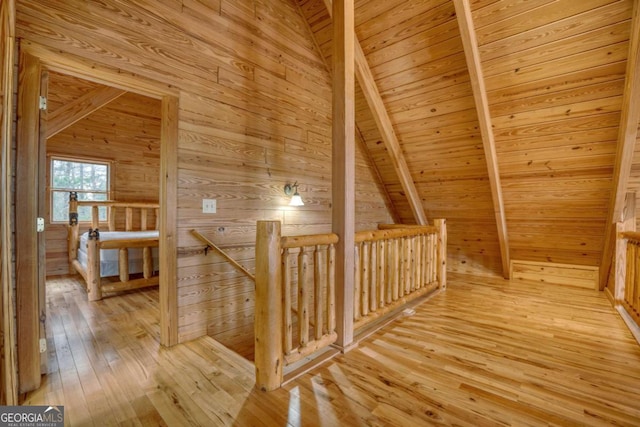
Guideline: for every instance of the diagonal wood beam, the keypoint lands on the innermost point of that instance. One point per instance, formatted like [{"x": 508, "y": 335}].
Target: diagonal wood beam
[
  {"x": 472, "y": 55},
  {"x": 88, "y": 103},
  {"x": 385, "y": 127},
  {"x": 627, "y": 135}
]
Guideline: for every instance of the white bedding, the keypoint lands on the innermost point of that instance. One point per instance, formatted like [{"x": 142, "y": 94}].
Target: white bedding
[{"x": 109, "y": 257}]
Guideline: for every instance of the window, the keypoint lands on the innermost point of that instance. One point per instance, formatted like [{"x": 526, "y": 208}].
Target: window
[{"x": 89, "y": 178}]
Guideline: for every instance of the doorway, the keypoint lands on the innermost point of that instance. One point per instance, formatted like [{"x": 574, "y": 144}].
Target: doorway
[{"x": 34, "y": 63}]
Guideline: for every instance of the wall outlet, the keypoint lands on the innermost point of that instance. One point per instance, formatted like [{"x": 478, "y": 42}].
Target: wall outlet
[
  {"x": 208, "y": 205},
  {"x": 43, "y": 345}
]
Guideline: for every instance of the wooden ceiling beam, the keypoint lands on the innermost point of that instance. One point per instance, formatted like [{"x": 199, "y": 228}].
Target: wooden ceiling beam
[
  {"x": 472, "y": 55},
  {"x": 385, "y": 127},
  {"x": 627, "y": 136},
  {"x": 77, "y": 110}
]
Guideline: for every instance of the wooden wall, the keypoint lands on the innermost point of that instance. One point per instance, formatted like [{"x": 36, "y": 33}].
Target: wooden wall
[
  {"x": 255, "y": 113},
  {"x": 125, "y": 132},
  {"x": 415, "y": 53},
  {"x": 554, "y": 73},
  {"x": 555, "y": 79}
]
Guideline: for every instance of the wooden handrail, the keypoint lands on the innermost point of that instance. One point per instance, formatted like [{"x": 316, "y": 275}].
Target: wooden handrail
[
  {"x": 296, "y": 275},
  {"x": 392, "y": 233},
  {"x": 309, "y": 240},
  {"x": 631, "y": 235},
  {"x": 226, "y": 256}
]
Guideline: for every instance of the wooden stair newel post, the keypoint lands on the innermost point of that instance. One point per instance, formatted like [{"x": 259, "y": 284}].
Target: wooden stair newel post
[
  {"x": 268, "y": 314},
  {"x": 441, "y": 266}
]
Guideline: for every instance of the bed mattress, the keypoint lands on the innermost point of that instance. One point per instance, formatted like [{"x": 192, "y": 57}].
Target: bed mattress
[{"x": 109, "y": 257}]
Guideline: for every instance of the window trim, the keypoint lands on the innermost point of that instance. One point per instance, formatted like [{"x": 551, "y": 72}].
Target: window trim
[{"x": 50, "y": 189}]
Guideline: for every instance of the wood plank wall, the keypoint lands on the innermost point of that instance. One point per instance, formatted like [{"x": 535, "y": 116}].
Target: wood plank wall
[
  {"x": 554, "y": 72},
  {"x": 254, "y": 114},
  {"x": 126, "y": 132},
  {"x": 555, "y": 78},
  {"x": 415, "y": 53}
]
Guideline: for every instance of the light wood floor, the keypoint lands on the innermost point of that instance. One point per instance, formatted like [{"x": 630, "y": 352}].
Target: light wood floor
[{"x": 483, "y": 353}]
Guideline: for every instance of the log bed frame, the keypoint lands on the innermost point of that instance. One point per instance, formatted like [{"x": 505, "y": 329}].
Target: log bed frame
[{"x": 95, "y": 284}]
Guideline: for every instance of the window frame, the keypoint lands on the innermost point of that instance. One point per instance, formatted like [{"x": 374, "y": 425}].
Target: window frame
[{"x": 90, "y": 160}]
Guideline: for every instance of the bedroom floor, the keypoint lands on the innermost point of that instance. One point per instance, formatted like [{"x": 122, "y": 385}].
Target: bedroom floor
[{"x": 485, "y": 352}]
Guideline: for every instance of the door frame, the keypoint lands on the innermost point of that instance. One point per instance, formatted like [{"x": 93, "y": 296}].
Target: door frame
[
  {"x": 41, "y": 58},
  {"x": 29, "y": 280}
]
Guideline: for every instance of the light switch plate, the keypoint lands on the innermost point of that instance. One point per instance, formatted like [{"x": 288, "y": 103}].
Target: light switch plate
[{"x": 208, "y": 205}]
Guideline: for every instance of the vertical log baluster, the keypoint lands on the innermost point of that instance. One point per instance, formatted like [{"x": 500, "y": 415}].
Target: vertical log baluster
[
  {"x": 407, "y": 266},
  {"x": 373, "y": 277},
  {"x": 630, "y": 272},
  {"x": 286, "y": 301},
  {"x": 364, "y": 285},
  {"x": 382, "y": 269},
  {"x": 633, "y": 300},
  {"x": 357, "y": 300},
  {"x": 331, "y": 289},
  {"x": 396, "y": 272},
  {"x": 319, "y": 284},
  {"x": 418, "y": 265},
  {"x": 303, "y": 297}
]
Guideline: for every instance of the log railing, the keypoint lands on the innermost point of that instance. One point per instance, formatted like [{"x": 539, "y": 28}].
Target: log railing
[
  {"x": 395, "y": 265},
  {"x": 295, "y": 299},
  {"x": 295, "y": 312},
  {"x": 308, "y": 286},
  {"x": 628, "y": 291}
]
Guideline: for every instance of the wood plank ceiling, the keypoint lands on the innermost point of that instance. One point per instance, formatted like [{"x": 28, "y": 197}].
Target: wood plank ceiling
[{"x": 553, "y": 77}]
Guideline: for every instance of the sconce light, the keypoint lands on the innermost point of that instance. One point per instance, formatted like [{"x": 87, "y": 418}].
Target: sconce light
[{"x": 292, "y": 190}]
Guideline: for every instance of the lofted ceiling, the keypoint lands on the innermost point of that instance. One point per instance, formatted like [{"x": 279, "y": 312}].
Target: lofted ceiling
[{"x": 547, "y": 84}]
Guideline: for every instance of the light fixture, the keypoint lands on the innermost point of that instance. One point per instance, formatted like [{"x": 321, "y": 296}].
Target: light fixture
[{"x": 292, "y": 190}]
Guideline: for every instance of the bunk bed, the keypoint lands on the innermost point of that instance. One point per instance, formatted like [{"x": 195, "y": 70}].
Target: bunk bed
[{"x": 124, "y": 257}]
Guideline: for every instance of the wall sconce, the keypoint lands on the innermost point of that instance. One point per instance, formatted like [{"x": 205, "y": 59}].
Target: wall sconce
[{"x": 292, "y": 190}]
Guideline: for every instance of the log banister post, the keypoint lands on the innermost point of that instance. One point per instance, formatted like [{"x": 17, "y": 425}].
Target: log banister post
[
  {"x": 268, "y": 312},
  {"x": 441, "y": 266}
]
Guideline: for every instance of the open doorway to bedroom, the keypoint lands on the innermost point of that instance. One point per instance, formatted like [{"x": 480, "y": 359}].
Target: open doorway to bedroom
[{"x": 102, "y": 143}]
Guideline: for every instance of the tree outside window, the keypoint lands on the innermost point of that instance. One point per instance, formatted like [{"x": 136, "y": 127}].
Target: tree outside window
[{"x": 88, "y": 178}]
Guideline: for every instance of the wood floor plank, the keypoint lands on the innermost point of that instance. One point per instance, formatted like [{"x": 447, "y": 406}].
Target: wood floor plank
[{"x": 487, "y": 352}]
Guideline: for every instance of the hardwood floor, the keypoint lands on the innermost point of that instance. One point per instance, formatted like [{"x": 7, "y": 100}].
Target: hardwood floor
[{"x": 486, "y": 352}]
